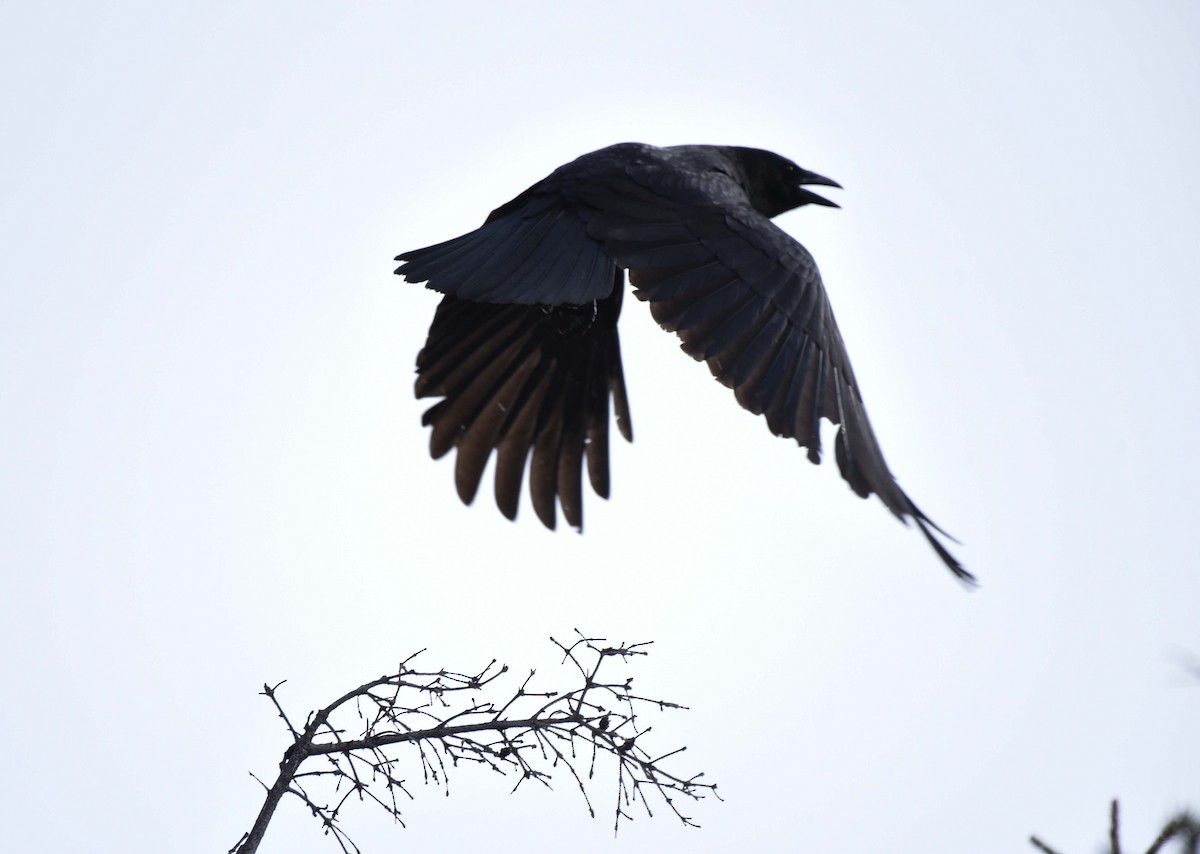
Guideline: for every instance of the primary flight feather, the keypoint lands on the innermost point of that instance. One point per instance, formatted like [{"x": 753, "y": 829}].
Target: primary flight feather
[{"x": 524, "y": 351}]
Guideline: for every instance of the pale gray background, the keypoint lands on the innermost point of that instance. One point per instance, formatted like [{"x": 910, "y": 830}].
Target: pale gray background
[{"x": 214, "y": 473}]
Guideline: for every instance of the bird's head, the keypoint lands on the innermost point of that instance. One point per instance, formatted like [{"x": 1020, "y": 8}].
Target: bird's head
[{"x": 776, "y": 184}]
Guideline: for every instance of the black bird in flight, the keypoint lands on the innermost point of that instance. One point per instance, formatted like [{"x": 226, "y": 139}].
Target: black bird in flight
[{"x": 524, "y": 349}]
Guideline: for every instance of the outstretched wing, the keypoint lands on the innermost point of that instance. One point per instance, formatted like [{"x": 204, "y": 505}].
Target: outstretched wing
[
  {"x": 746, "y": 298},
  {"x": 527, "y": 381}
]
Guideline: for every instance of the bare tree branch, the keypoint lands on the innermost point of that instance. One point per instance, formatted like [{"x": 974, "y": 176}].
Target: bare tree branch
[
  {"x": 445, "y": 718},
  {"x": 1183, "y": 829},
  {"x": 1041, "y": 846}
]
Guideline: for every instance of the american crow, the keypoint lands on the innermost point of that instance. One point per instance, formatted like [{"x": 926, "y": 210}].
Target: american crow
[{"x": 524, "y": 350}]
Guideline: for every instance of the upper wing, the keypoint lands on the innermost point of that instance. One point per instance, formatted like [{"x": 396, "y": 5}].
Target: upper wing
[
  {"x": 747, "y": 298},
  {"x": 526, "y": 381}
]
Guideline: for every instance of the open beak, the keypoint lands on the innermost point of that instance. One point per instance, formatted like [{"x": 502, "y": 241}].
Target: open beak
[{"x": 809, "y": 196}]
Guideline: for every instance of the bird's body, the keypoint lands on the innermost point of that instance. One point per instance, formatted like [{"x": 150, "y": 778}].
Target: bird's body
[{"x": 524, "y": 347}]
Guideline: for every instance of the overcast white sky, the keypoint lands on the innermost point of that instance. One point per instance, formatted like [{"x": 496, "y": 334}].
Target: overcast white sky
[{"x": 214, "y": 473}]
